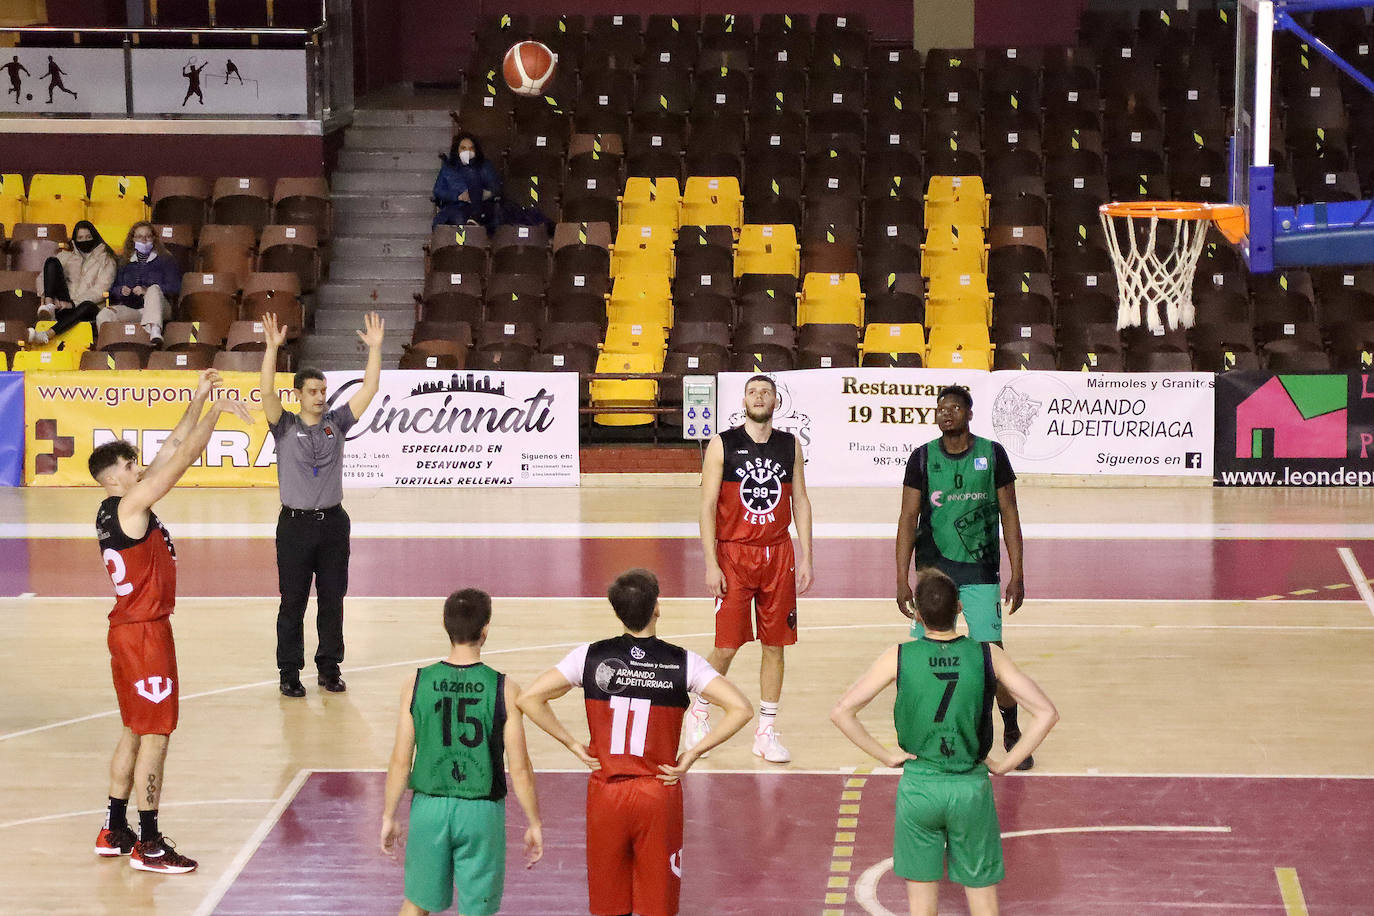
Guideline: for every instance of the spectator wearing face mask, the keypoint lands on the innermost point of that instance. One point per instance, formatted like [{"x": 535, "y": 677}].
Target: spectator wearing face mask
[
  {"x": 148, "y": 277},
  {"x": 74, "y": 284},
  {"x": 468, "y": 188}
]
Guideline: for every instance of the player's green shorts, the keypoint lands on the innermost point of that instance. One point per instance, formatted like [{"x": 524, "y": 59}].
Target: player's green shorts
[
  {"x": 456, "y": 841},
  {"x": 947, "y": 816},
  {"x": 982, "y": 610}
]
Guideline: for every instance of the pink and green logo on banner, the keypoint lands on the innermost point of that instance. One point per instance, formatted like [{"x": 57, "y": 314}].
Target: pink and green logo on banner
[{"x": 1294, "y": 416}]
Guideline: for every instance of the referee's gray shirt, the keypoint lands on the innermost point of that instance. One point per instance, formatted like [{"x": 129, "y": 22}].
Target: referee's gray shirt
[{"x": 310, "y": 458}]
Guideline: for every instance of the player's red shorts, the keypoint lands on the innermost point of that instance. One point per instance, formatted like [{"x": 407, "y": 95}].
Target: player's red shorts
[
  {"x": 143, "y": 661},
  {"x": 766, "y": 578},
  {"x": 634, "y": 846}
]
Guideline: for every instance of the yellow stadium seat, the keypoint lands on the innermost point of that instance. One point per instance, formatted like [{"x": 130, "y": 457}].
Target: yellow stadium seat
[
  {"x": 949, "y": 285},
  {"x": 635, "y": 338},
  {"x": 963, "y": 209},
  {"x": 969, "y": 310},
  {"x": 711, "y": 201},
  {"x": 766, "y": 249},
  {"x": 893, "y": 338},
  {"x": 78, "y": 338},
  {"x": 643, "y": 249},
  {"x": 114, "y": 218},
  {"x": 948, "y": 235},
  {"x": 831, "y": 299},
  {"x": 941, "y": 262},
  {"x": 11, "y": 200},
  {"x": 119, "y": 187},
  {"x": 641, "y": 299},
  {"x": 651, "y": 201},
  {"x": 959, "y": 346},
  {"x": 625, "y": 392},
  {"x": 820, "y": 287},
  {"x": 56, "y": 199},
  {"x": 44, "y": 360}
]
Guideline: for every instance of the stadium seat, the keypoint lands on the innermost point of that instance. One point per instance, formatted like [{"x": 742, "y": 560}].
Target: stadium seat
[
  {"x": 893, "y": 338},
  {"x": 181, "y": 200},
  {"x": 46, "y": 360},
  {"x": 241, "y": 202},
  {"x": 294, "y": 249},
  {"x": 28, "y": 254},
  {"x": 714, "y": 201},
  {"x": 11, "y": 200},
  {"x": 453, "y": 296},
  {"x": 641, "y": 298},
  {"x": 434, "y": 354},
  {"x": 278, "y": 293},
  {"x": 635, "y": 338},
  {"x": 831, "y": 299},
  {"x": 626, "y": 392},
  {"x": 124, "y": 337},
  {"x": 768, "y": 249},
  {"x": 195, "y": 360},
  {"x": 237, "y": 361},
  {"x": 650, "y": 201},
  {"x": 226, "y": 249},
  {"x": 959, "y": 347},
  {"x": 56, "y": 199},
  {"x": 212, "y": 300},
  {"x": 303, "y": 202},
  {"x": 113, "y": 360},
  {"x": 193, "y": 337},
  {"x": 18, "y": 295},
  {"x": 643, "y": 248}
]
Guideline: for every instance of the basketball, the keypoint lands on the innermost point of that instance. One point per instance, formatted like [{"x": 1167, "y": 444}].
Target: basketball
[
  {"x": 528, "y": 67},
  {"x": 29, "y": 96}
]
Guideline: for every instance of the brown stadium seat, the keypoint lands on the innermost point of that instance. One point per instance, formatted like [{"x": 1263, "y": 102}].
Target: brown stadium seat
[
  {"x": 124, "y": 337},
  {"x": 456, "y": 331},
  {"x": 181, "y": 200},
  {"x": 291, "y": 248},
  {"x": 18, "y": 296},
  {"x": 276, "y": 292},
  {"x": 245, "y": 335},
  {"x": 54, "y": 232},
  {"x": 193, "y": 337},
  {"x": 12, "y": 335},
  {"x": 120, "y": 360},
  {"x": 242, "y": 202},
  {"x": 434, "y": 354},
  {"x": 304, "y": 202},
  {"x": 226, "y": 249},
  {"x": 211, "y": 299},
  {"x": 238, "y": 361},
  {"x": 180, "y": 241},
  {"x": 30, "y": 254},
  {"x": 453, "y": 297},
  {"x": 195, "y": 360}
]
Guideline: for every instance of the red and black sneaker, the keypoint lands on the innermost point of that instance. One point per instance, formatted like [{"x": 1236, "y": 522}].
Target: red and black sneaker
[
  {"x": 115, "y": 841},
  {"x": 160, "y": 856}
]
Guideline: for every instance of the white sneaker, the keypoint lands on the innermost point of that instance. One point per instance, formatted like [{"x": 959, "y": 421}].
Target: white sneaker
[
  {"x": 698, "y": 724},
  {"x": 767, "y": 746},
  {"x": 38, "y": 338}
]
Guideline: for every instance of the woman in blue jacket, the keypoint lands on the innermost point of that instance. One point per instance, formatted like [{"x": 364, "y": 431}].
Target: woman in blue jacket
[
  {"x": 468, "y": 188},
  {"x": 148, "y": 279}
]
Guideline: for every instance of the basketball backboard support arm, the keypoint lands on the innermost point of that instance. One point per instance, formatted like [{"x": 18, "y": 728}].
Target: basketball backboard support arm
[{"x": 1308, "y": 234}]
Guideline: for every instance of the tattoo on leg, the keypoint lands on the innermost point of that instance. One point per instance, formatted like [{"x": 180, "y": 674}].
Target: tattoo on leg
[{"x": 152, "y": 789}]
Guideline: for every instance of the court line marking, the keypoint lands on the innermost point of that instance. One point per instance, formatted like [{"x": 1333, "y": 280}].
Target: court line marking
[
  {"x": 1357, "y": 576},
  {"x": 1294, "y": 903},
  {"x": 251, "y": 844},
  {"x": 163, "y": 806},
  {"x": 1129, "y": 531},
  {"x": 866, "y": 890},
  {"x": 896, "y": 626}
]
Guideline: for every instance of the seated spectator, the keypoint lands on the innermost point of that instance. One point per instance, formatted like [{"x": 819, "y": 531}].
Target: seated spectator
[
  {"x": 468, "y": 188},
  {"x": 74, "y": 284},
  {"x": 148, "y": 277}
]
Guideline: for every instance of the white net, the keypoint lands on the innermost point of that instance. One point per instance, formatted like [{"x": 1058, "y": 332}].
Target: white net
[{"x": 1155, "y": 256}]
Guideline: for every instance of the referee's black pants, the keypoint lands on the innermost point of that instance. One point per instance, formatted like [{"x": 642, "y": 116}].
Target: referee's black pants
[{"x": 311, "y": 544}]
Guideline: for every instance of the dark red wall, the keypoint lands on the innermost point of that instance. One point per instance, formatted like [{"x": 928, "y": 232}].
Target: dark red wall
[
  {"x": 142, "y": 154},
  {"x": 999, "y": 23}
]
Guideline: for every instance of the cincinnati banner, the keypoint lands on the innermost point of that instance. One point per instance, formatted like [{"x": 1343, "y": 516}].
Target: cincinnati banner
[
  {"x": 1294, "y": 430},
  {"x": 463, "y": 429},
  {"x": 858, "y": 426},
  {"x": 68, "y": 414}
]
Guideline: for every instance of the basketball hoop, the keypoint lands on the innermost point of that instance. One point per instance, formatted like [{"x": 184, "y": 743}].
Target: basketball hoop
[{"x": 1154, "y": 271}]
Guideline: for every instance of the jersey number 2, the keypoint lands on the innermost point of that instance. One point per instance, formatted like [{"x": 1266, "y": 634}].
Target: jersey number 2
[
  {"x": 114, "y": 565},
  {"x": 629, "y": 715}
]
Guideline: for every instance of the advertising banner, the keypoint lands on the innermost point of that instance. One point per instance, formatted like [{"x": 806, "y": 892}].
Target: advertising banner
[
  {"x": 463, "y": 429},
  {"x": 1294, "y": 430},
  {"x": 200, "y": 81},
  {"x": 63, "y": 80},
  {"x": 1148, "y": 424},
  {"x": 857, "y": 427},
  {"x": 11, "y": 429},
  {"x": 68, "y": 414}
]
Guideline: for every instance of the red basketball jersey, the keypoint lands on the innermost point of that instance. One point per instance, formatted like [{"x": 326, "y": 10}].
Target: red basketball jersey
[
  {"x": 144, "y": 570},
  {"x": 636, "y": 695},
  {"x": 755, "y": 502}
]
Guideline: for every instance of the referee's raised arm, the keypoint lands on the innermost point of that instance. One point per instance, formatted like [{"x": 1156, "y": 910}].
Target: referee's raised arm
[
  {"x": 275, "y": 336},
  {"x": 374, "y": 329}
]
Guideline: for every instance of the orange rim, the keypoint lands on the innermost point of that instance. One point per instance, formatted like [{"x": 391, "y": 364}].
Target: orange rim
[{"x": 1229, "y": 218}]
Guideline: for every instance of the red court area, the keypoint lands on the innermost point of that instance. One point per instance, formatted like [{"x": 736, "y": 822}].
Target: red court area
[
  {"x": 764, "y": 844},
  {"x": 581, "y": 567}
]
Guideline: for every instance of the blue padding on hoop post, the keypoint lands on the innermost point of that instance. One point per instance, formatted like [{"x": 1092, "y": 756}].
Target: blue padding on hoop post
[
  {"x": 1324, "y": 233},
  {"x": 1260, "y": 250}
]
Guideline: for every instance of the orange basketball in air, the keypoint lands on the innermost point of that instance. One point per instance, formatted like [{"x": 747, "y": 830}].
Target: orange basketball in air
[{"x": 528, "y": 67}]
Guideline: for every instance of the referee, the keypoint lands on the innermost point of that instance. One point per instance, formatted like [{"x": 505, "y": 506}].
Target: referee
[{"x": 312, "y": 529}]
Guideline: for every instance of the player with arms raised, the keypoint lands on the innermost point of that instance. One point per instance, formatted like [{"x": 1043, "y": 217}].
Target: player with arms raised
[
  {"x": 636, "y": 691},
  {"x": 141, "y": 561}
]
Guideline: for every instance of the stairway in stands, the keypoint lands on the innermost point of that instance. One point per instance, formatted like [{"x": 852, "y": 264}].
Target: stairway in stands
[{"x": 382, "y": 213}]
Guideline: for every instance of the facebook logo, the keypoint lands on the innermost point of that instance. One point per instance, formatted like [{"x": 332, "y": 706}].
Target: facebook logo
[{"x": 1192, "y": 460}]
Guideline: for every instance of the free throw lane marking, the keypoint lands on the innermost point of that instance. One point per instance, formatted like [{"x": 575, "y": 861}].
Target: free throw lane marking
[
  {"x": 1293, "y": 902},
  {"x": 1357, "y": 576}
]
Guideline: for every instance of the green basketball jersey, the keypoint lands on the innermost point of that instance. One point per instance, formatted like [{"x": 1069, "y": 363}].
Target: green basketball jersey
[
  {"x": 459, "y": 713},
  {"x": 958, "y": 528},
  {"x": 944, "y": 703}
]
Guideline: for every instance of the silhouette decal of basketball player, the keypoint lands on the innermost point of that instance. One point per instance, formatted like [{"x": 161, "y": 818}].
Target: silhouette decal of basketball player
[
  {"x": 192, "y": 74},
  {"x": 231, "y": 69},
  {"x": 54, "y": 77},
  {"x": 13, "y": 68}
]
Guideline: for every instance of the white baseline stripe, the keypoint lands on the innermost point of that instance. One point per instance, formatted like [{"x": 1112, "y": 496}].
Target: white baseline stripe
[
  {"x": 250, "y": 846},
  {"x": 1357, "y": 576},
  {"x": 688, "y": 530}
]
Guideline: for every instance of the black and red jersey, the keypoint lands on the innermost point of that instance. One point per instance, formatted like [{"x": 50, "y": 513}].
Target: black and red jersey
[
  {"x": 755, "y": 501},
  {"x": 143, "y": 569}
]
